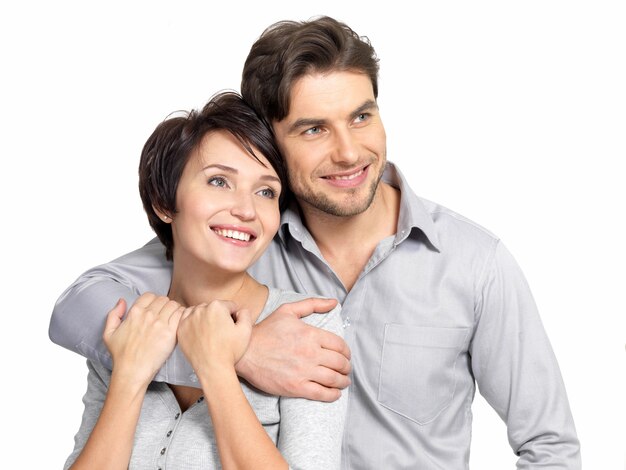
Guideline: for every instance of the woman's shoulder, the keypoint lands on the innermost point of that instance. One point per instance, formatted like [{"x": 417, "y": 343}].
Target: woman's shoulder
[{"x": 329, "y": 321}]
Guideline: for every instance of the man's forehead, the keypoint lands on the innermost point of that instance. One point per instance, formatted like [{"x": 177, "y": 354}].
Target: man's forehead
[{"x": 314, "y": 96}]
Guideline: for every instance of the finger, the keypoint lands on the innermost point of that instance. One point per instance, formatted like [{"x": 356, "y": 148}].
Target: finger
[
  {"x": 169, "y": 308},
  {"x": 329, "y": 378},
  {"x": 333, "y": 342},
  {"x": 114, "y": 317},
  {"x": 224, "y": 305},
  {"x": 243, "y": 319},
  {"x": 308, "y": 306},
  {"x": 175, "y": 317},
  {"x": 186, "y": 312},
  {"x": 158, "y": 303},
  {"x": 145, "y": 299},
  {"x": 334, "y": 361},
  {"x": 315, "y": 391}
]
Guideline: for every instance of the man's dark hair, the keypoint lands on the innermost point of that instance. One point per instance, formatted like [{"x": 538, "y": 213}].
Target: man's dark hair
[{"x": 289, "y": 50}]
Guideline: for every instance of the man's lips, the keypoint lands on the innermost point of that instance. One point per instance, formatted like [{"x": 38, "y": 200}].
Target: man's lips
[{"x": 348, "y": 178}]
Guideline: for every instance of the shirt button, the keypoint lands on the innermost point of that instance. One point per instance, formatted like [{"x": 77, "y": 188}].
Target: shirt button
[
  {"x": 169, "y": 433},
  {"x": 177, "y": 416},
  {"x": 163, "y": 451}
]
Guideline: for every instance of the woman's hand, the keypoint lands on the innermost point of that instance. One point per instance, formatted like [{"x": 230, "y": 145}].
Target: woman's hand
[
  {"x": 214, "y": 335},
  {"x": 142, "y": 342}
]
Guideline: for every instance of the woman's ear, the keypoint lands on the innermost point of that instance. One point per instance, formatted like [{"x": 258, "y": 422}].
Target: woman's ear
[{"x": 162, "y": 215}]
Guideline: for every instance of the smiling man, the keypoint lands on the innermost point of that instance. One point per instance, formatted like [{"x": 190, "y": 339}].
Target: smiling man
[{"x": 433, "y": 304}]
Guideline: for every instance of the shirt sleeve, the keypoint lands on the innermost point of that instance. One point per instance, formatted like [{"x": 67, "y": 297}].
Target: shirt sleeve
[
  {"x": 311, "y": 431},
  {"x": 79, "y": 314},
  {"x": 97, "y": 385},
  {"x": 517, "y": 372}
]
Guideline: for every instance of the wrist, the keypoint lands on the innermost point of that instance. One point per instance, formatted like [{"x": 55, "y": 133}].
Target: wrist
[
  {"x": 128, "y": 381},
  {"x": 214, "y": 375}
]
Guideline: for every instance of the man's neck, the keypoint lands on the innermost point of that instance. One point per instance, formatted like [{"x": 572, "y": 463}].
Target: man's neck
[{"x": 347, "y": 243}]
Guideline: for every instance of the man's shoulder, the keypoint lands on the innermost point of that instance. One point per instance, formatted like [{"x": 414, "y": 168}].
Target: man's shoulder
[
  {"x": 445, "y": 216},
  {"x": 455, "y": 229},
  {"x": 436, "y": 220}
]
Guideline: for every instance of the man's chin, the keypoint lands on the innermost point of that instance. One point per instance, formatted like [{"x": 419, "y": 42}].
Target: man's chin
[{"x": 336, "y": 208}]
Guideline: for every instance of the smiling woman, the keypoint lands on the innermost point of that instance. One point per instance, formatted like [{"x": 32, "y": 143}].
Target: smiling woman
[
  {"x": 226, "y": 214},
  {"x": 211, "y": 183}
]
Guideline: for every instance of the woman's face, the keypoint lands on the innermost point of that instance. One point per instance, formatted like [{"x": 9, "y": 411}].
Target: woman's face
[{"x": 227, "y": 206}]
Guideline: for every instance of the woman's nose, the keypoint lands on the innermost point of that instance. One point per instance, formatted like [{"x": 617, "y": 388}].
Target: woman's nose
[{"x": 243, "y": 207}]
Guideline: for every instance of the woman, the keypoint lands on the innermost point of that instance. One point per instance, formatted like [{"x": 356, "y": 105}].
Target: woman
[{"x": 210, "y": 183}]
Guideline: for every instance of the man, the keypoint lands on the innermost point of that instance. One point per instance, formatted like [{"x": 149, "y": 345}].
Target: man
[{"x": 433, "y": 304}]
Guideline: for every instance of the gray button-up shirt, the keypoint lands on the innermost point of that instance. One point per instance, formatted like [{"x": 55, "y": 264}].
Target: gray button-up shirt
[{"x": 440, "y": 307}]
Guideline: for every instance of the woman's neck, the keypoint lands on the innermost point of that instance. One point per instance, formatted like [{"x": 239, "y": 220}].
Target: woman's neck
[{"x": 193, "y": 287}]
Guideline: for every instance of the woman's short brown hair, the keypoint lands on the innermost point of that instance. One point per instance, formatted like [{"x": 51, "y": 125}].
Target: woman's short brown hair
[{"x": 168, "y": 149}]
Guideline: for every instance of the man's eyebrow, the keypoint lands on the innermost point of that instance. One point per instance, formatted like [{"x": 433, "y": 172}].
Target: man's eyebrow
[
  {"x": 306, "y": 122},
  {"x": 314, "y": 122},
  {"x": 367, "y": 106}
]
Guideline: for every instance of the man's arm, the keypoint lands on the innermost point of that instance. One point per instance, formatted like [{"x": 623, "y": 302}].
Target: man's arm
[
  {"x": 285, "y": 357},
  {"x": 80, "y": 312},
  {"x": 517, "y": 372}
]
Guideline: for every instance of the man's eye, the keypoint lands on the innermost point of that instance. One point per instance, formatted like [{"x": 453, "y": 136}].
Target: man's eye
[
  {"x": 218, "y": 181},
  {"x": 313, "y": 130},
  {"x": 362, "y": 117}
]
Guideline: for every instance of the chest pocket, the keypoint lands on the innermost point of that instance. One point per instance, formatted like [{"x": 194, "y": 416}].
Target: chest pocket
[{"x": 418, "y": 369}]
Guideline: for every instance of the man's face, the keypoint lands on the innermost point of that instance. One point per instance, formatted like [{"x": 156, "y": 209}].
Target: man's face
[{"x": 333, "y": 142}]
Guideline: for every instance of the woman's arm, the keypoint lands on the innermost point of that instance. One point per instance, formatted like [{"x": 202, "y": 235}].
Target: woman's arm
[
  {"x": 139, "y": 346},
  {"x": 311, "y": 431},
  {"x": 213, "y": 342}
]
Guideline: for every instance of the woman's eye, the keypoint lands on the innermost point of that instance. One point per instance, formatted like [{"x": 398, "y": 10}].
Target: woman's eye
[
  {"x": 218, "y": 181},
  {"x": 267, "y": 192}
]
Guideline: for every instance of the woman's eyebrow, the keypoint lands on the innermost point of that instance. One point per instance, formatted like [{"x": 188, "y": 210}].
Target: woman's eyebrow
[
  {"x": 225, "y": 168},
  {"x": 229, "y": 169}
]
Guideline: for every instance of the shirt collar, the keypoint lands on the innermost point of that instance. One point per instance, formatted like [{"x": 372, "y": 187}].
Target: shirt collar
[{"x": 412, "y": 215}]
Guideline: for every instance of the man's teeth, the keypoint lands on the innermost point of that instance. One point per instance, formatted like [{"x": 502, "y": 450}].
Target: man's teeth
[
  {"x": 348, "y": 177},
  {"x": 233, "y": 234}
]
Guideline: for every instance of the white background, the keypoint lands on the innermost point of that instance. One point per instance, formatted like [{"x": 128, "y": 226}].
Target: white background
[{"x": 511, "y": 113}]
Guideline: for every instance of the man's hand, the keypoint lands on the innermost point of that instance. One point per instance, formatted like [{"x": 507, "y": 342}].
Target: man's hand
[{"x": 287, "y": 357}]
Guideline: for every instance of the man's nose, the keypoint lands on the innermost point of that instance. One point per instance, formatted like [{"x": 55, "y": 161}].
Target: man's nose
[{"x": 345, "y": 147}]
